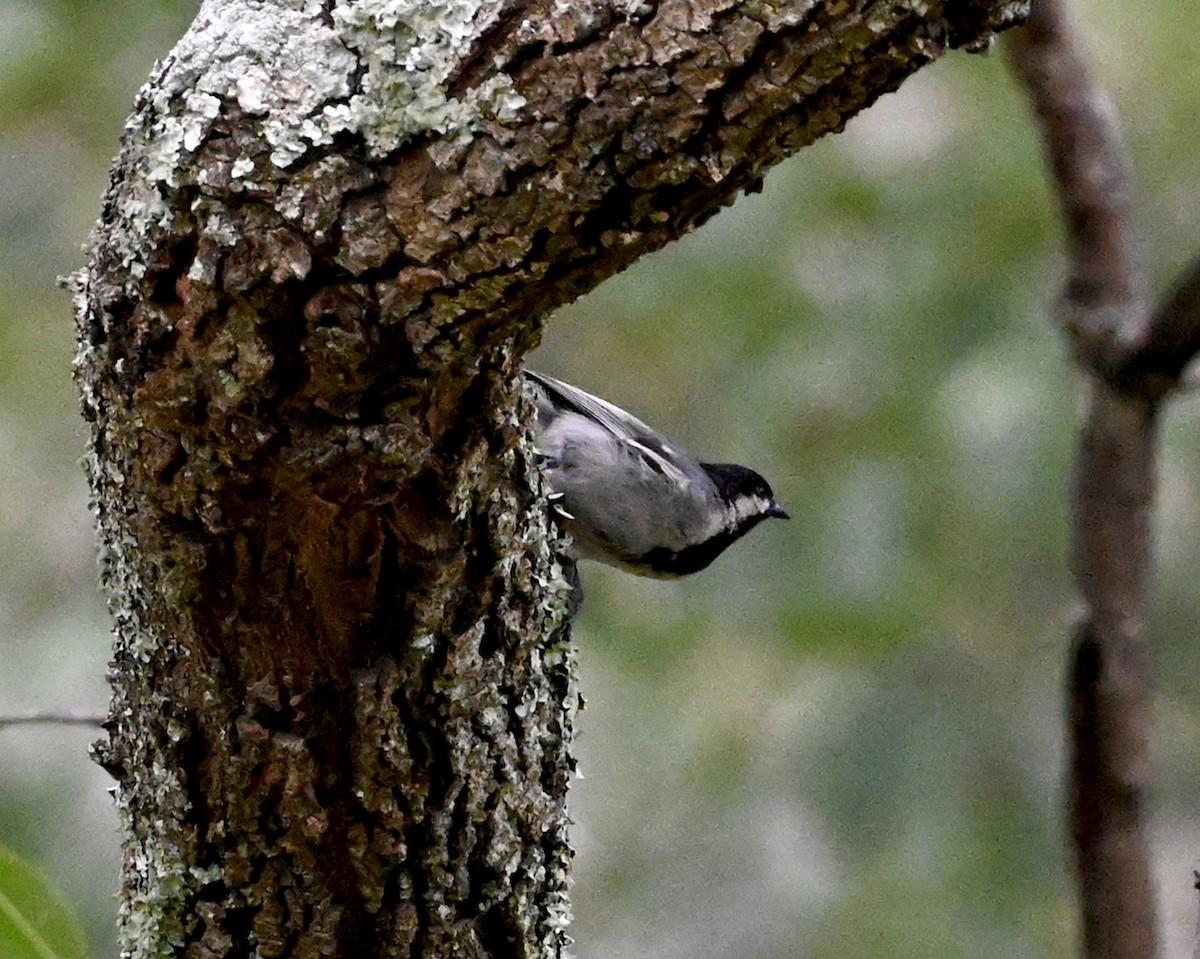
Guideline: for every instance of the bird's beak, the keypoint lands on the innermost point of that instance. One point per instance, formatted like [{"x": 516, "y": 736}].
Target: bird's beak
[{"x": 778, "y": 511}]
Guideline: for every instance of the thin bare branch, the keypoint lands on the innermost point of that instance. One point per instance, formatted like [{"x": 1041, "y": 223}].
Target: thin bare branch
[
  {"x": 1104, "y": 306},
  {"x": 1104, "y": 315},
  {"x": 1109, "y": 678},
  {"x": 1104, "y": 297},
  {"x": 67, "y": 717}
]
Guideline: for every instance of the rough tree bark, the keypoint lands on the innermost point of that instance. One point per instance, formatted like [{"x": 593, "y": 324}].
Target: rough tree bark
[{"x": 342, "y": 683}]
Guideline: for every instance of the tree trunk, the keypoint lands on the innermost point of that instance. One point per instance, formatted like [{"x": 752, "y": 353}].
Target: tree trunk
[{"x": 343, "y": 691}]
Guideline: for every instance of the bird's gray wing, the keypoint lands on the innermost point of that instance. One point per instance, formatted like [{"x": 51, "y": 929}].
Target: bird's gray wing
[{"x": 650, "y": 445}]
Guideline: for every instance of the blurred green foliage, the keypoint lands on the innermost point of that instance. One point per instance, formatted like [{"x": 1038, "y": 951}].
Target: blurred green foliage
[
  {"x": 845, "y": 738},
  {"x": 33, "y": 924}
]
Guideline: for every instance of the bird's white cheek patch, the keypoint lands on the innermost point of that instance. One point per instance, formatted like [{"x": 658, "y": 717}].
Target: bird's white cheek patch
[{"x": 745, "y": 507}]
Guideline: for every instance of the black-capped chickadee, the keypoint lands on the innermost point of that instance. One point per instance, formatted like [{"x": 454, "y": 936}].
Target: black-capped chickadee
[{"x": 631, "y": 497}]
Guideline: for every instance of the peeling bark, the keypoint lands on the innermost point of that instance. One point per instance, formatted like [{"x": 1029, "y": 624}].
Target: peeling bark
[{"x": 343, "y": 692}]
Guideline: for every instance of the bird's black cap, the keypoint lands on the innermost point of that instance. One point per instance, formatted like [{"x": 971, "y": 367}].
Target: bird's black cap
[{"x": 736, "y": 483}]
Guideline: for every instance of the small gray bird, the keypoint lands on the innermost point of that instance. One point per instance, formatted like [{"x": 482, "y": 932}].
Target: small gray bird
[{"x": 633, "y": 498}]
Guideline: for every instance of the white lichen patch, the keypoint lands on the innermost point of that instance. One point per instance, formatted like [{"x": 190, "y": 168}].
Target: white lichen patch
[
  {"x": 155, "y": 863},
  {"x": 280, "y": 62},
  {"x": 274, "y": 61},
  {"x": 376, "y": 69},
  {"x": 409, "y": 50}
]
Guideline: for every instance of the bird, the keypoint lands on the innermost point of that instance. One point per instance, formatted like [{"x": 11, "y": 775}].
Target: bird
[{"x": 630, "y": 497}]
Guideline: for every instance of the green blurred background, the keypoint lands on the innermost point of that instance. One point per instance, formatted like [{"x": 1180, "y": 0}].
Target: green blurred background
[{"x": 845, "y": 738}]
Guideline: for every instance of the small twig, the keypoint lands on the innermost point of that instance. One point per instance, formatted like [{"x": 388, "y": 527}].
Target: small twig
[
  {"x": 68, "y": 717},
  {"x": 1172, "y": 340}
]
